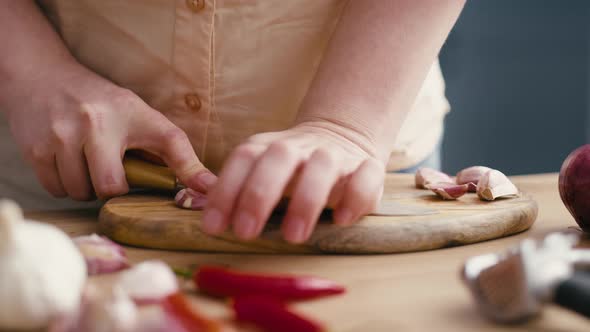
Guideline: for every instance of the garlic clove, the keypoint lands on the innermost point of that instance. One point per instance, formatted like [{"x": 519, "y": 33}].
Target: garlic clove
[
  {"x": 425, "y": 176},
  {"x": 471, "y": 175},
  {"x": 106, "y": 310},
  {"x": 495, "y": 184},
  {"x": 190, "y": 199},
  {"x": 149, "y": 282},
  {"x": 101, "y": 254},
  {"x": 449, "y": 191}
]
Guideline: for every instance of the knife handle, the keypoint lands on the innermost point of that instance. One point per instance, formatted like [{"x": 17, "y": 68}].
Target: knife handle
[{"x": 143, "y": 174}]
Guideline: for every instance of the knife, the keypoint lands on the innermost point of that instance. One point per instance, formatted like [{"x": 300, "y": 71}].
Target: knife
[{"x": 143, "y": 174}]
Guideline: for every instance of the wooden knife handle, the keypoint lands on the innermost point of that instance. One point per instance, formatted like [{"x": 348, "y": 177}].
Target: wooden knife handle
[{"x": 143, "y": 174}]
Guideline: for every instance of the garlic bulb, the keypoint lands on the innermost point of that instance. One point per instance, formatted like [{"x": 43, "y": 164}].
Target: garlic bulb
[{"x": 42, "y": 273}]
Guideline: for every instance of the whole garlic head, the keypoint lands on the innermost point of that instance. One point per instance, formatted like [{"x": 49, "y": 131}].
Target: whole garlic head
[{"x": 42, "y": 273}]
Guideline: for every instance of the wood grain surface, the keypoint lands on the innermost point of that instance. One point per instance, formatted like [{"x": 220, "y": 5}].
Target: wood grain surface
[{"x": 155, "y": 222}]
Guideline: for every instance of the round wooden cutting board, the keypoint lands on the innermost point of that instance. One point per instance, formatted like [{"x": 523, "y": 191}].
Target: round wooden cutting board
[{"x": 155, "y": 222}]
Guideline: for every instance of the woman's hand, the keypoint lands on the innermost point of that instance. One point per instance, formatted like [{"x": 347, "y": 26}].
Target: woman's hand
[
  {"x": 72, "y": 125},
  {"x": 74, "y": 128},
  {"x": 316, "y": 164}
]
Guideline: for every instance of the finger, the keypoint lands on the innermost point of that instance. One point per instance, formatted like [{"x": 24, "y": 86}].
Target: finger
[
  {"x": 220, "y": 200},
  {"x": 162, "y": 138},
  {"x": 263, "y": 189},
  {"x": 361, "y": 193},
  {"x": 106, "y": 168},
  {"x": 46, "y": 171},
  {"x": 310, "y": 195},
  {"x": 71, "y": 165}
]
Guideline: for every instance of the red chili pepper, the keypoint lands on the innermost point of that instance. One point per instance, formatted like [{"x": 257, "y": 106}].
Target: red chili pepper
[
  {"x": 180, "y": 308},
  {"x": 219, "y": 281},
  {"x": 272, "y": 315}
]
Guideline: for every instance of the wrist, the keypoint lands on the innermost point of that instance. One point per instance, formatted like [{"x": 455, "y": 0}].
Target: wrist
[{"x": 358, "y": 137}]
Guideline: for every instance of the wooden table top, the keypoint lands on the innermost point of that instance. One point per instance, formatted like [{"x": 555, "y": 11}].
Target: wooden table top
[{"x": 400, "y": 292}]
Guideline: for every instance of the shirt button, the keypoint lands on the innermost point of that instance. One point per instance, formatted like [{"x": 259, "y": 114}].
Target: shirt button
[
  {"x": 195, "y": 5},
  {"x": 192, "y": 101}
]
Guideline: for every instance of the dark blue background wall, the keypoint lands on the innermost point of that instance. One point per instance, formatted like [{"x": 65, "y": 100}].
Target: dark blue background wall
[{"x": 517, "y": 79}]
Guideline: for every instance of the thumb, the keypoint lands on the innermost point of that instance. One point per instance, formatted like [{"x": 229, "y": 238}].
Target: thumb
[{"x": 157, "y": 135}]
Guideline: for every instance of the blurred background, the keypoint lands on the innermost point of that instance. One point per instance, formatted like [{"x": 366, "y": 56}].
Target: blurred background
[{"x": 517, "y": 75}]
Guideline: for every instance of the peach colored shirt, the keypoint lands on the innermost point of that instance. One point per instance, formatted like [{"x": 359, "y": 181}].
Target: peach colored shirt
[{"x": 223, "y": 70}]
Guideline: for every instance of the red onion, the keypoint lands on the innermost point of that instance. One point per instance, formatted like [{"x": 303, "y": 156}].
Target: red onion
[{"x": 574, "y": 185}]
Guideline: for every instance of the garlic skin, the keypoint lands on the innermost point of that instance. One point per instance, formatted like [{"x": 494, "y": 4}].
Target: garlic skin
[
  {"x": 471, "y": 176},
  {"x": 426, "y": 176},
  {"x": 101, "y": 254},
  {"x": 449, "y": 191},
  {"x": 42, "y": 273},
  {"x": 495, "y": 184}
]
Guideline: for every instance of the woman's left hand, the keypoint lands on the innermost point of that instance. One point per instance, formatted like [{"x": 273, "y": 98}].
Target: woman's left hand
[{"x": 315, "y": 164}]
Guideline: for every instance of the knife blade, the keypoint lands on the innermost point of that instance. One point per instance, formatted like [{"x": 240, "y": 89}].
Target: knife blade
[
  {"x": 146, "y": 175},
  {"x": 392, "y": 208}
]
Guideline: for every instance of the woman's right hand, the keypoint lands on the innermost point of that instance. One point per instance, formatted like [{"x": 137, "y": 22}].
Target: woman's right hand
[{"x": 75, "y": 127}]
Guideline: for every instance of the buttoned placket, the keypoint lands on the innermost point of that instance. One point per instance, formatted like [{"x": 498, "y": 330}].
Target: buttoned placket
[{"x": 192, "y": 61}]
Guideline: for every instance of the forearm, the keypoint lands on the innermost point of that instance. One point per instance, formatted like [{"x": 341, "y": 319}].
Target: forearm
[
  {"x": 374, "y": 66},
  {"x": 31, "y": 50}
]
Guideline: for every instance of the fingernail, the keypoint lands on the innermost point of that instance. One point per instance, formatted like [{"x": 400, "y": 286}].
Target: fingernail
[
  {"x": 212, "y": 221},
  {"x": 343, "y": 216},
  {"x": 245, "y": 226},
  {"x": 206, "y": 180},
  {"x": 295, "y": 230}
]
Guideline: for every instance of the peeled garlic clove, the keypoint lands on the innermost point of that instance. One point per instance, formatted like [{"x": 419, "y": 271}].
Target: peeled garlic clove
[
  {"x": 494, "y": 184},
  {"x": 190, "y": 199},
  {"x": 101, "y": 254},
  {"x": 449, "y": 191},
  {"x": 471, "y": 175},
  {"x": 149, "y": 282},
  {"x": 425, "y": 176}
]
